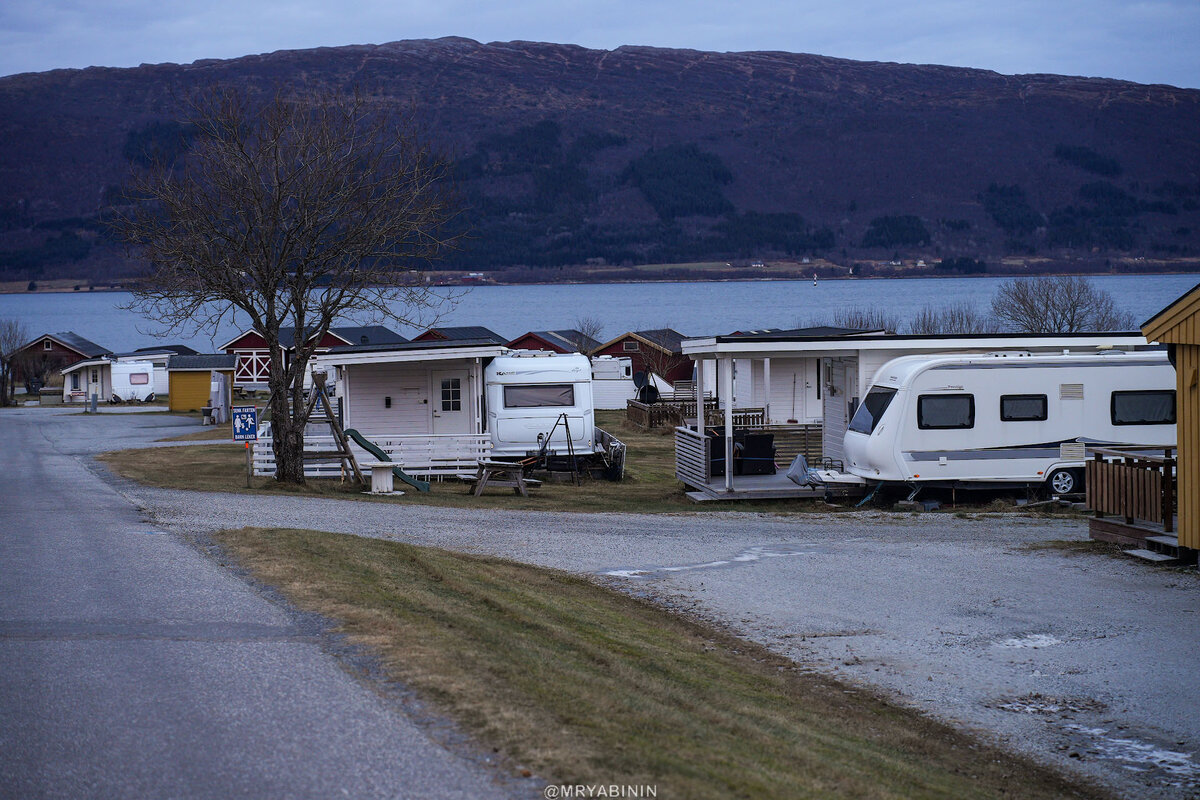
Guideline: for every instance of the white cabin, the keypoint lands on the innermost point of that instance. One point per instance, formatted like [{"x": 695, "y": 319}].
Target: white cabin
[
  {"x": 536, "y": 396},
  {"x": 1008, "y": 417}
]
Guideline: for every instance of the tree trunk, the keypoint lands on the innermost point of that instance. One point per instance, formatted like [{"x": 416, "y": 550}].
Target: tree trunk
[{"x": 287, "y": 437}]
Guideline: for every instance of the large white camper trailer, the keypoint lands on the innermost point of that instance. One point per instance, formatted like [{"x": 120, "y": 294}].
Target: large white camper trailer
[
  {"x": 132, "y": 381},
  {"x": 1007, "y": 417},
  {"x": 532, "y": 395}
]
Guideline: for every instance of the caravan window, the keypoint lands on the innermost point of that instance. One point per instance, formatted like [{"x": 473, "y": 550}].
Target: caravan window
[
  {"x": 138, "y": 378},
  {"x": 1022, "y": 407},
  {"x": 539, "y": 396},
  {"x": 1144, "y": 408},
  {"x": 942, "y": 411},
  {"x": 866, "y": 418}
]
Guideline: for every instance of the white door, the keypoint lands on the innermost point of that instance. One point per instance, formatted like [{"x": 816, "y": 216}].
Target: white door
[{"x": 451, "y": 401}]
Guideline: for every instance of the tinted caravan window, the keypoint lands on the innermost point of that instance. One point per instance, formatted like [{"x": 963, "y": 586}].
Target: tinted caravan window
[
  {"x": 866, "y": 419},
  {"x": 941, "y": 411},
  {"x": 1022, "y": 407},
  {"x": 539, "y": 396},
  {"x": 1144, "y": 408}
]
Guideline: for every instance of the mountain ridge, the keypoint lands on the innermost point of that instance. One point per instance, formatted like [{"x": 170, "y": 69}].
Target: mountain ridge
[{"x": 562, "y": 150}]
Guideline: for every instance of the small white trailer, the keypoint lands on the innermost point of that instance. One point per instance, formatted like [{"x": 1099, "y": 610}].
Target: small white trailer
[
  {"x": 1007, "y": 418},
  {"x": 132, "y": 381},
  {"x": 612, "y": 382},
  {"x": 534, "y": 398}
]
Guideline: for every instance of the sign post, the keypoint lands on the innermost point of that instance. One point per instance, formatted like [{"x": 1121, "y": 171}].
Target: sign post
[{"x": 245, "y": 429}]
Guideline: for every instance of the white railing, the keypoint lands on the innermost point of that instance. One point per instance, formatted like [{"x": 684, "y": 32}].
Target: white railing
[
  {"x": 692, "y": 456},
  {"x": 436, "y": 456}
]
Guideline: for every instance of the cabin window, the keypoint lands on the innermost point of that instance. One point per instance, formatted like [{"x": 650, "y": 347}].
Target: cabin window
[
  {"x": 75, "y": 381},
  {"x": 1144, "y": 408},
  {"x": 945, "y": 411},
  {"x": 452, "y": 394},
  {"x": 139, "y": 378},
  {"x": 867, "y": 417},
  {"x": 630, "y": 347},
  {"x": 47, "y": 345},
  {"x": 95, "y": 376},
  {"x": 1022, "y": 407},
  {"x": 539, "y": 396}
]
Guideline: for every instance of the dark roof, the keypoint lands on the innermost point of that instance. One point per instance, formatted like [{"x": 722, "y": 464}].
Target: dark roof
[
  {"x": 178, "y": 349},
  {"x": 354, "y": 334},
  {"x": 822, "y": 331},
  {"x": 666, "y": 338},
  {"x": 570, "y": 339},
  {"x": 432, "y": 344},
  {"x": 464, "y": 332},
  {"x": 880, "y": 336},
  {"x": 217, "y": 361},
  {"x": 76, "y": 342}
]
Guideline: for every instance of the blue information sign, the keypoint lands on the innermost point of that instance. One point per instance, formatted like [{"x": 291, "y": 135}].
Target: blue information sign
[{"x": 245, "y": 423}]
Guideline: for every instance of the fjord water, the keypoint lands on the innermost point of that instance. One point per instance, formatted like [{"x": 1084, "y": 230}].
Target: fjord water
[{"x": 692, "y": 308}]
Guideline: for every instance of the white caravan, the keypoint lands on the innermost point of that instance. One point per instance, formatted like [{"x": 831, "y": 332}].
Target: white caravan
[
  {"x": 132, "y": 381},
  {"x": 612, "y": 382},
  {"x": 532, "y": 395},
  {"x": 1007, "y": 417}
]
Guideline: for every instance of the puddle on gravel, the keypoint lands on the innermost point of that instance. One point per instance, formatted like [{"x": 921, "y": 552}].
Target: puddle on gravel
[
  {"x": 1172, "y": 767},
  {"x": 1032, "y": 640},
  {"x": 747, "y": 556}
]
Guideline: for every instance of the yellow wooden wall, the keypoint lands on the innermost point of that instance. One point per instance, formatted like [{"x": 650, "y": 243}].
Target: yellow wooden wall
[
  {"x": 189, "y": 390},
  {"x": 1187, "y": 414}
]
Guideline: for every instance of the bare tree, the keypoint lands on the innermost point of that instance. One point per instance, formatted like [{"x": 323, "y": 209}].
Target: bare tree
[
  {"x": 12, "y": 335},
  {"x": 660, "y": 362},
  {"x": 863, "y": 318},
  {"x": 949, "y": 320},
  {"x": 591, "y": 328},
  {"x": 1057, "y": 304},
  {"x": 293, "y": 210}
]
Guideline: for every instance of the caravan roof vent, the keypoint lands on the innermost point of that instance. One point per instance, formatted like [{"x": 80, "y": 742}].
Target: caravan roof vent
[{"x": 1070, "y": 391}]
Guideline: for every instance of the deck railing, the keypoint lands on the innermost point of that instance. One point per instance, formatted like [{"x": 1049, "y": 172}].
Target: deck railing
[
  {"x": 693, "y": 456},
  {"x": 427, "y": 456},
  {"x": 1135, "y": 483}
]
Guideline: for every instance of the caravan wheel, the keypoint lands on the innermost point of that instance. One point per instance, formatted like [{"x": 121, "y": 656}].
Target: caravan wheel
[{"x": 1064, "y": 481}]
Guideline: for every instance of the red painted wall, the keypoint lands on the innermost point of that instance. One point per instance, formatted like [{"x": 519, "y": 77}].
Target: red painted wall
[{"x": 531, "y": 341}]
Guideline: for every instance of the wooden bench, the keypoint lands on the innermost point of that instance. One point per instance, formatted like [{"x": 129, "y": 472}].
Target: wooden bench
[{"x": 505, "y": 474}]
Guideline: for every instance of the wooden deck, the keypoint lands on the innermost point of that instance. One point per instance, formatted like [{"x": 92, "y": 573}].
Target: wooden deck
[{"x": 754, "y": 487}]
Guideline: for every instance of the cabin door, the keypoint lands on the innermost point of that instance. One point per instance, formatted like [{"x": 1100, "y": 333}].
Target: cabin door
[{"x": 451, "y": 401}]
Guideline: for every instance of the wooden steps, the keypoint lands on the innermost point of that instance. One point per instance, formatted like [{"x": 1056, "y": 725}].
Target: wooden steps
[{"x": 1163, "y": 550}]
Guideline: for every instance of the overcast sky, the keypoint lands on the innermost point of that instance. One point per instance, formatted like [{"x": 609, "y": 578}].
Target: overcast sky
[{"x": 1148, "y": 41}]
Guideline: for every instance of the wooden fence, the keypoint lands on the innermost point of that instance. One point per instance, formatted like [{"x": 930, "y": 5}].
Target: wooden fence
[{"x": 1132, "y": 483}]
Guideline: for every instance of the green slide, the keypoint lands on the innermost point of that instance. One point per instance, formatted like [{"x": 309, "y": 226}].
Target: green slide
[{"x": 416, "y": 483}]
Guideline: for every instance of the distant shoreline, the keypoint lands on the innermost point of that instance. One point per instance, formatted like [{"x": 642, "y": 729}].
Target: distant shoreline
[{"x": 1181, "y": 267}]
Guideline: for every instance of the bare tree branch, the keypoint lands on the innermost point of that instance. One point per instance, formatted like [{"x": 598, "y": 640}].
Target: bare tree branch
[{"x": 1058, "y": 304}]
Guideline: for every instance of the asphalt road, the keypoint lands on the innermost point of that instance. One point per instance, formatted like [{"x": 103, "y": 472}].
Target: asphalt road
[
  {"x": 1082, "y": 661},
  {"x": 133, "y": 666}
]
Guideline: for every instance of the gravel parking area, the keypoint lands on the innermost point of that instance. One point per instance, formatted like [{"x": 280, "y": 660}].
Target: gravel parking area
[{"x": 1080, "y": 659}]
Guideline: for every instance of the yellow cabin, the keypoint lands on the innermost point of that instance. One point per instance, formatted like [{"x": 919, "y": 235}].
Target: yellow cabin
[
  {"x": 190, "y": 379},
  {"x": 1178, "y": 327}
]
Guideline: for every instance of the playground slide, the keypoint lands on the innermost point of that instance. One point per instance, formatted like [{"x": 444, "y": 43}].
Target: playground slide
[{"x": 416, "y": 483}]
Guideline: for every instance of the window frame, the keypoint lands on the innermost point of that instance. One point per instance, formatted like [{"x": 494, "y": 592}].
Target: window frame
[
  {"x": 1045, "y": 407},
  {"x": 631, "y": 346},
  {"x": 920, "y": 412},
  {"x": 1112, "y": 406},
  {"x": 528, "y": 386}
]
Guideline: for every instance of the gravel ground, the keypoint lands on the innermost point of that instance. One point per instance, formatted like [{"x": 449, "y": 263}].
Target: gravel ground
[{"x": 1080, "y": 660}]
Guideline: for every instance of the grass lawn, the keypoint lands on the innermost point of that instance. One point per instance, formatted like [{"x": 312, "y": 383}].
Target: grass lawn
[
  {"x": 649, "y": 485},
  {"x": 586, "y": 685}
]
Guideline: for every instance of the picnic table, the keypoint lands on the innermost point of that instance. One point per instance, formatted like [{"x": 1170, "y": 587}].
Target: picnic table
[{"x": 503, "y": 473}]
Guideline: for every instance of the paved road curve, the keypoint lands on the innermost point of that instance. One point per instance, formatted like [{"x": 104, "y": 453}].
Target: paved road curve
[{"x": 131, "y": 666}]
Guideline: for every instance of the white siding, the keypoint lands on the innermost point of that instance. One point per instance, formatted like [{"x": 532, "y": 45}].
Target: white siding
[
  {"x": 788, "y": 374},
  {"x": 407, "y": 385},
  {"x": 840, "y": 390}
]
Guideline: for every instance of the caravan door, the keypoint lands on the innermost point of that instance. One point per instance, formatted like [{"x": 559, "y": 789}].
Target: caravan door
[{"x": 451, "y": 401}]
